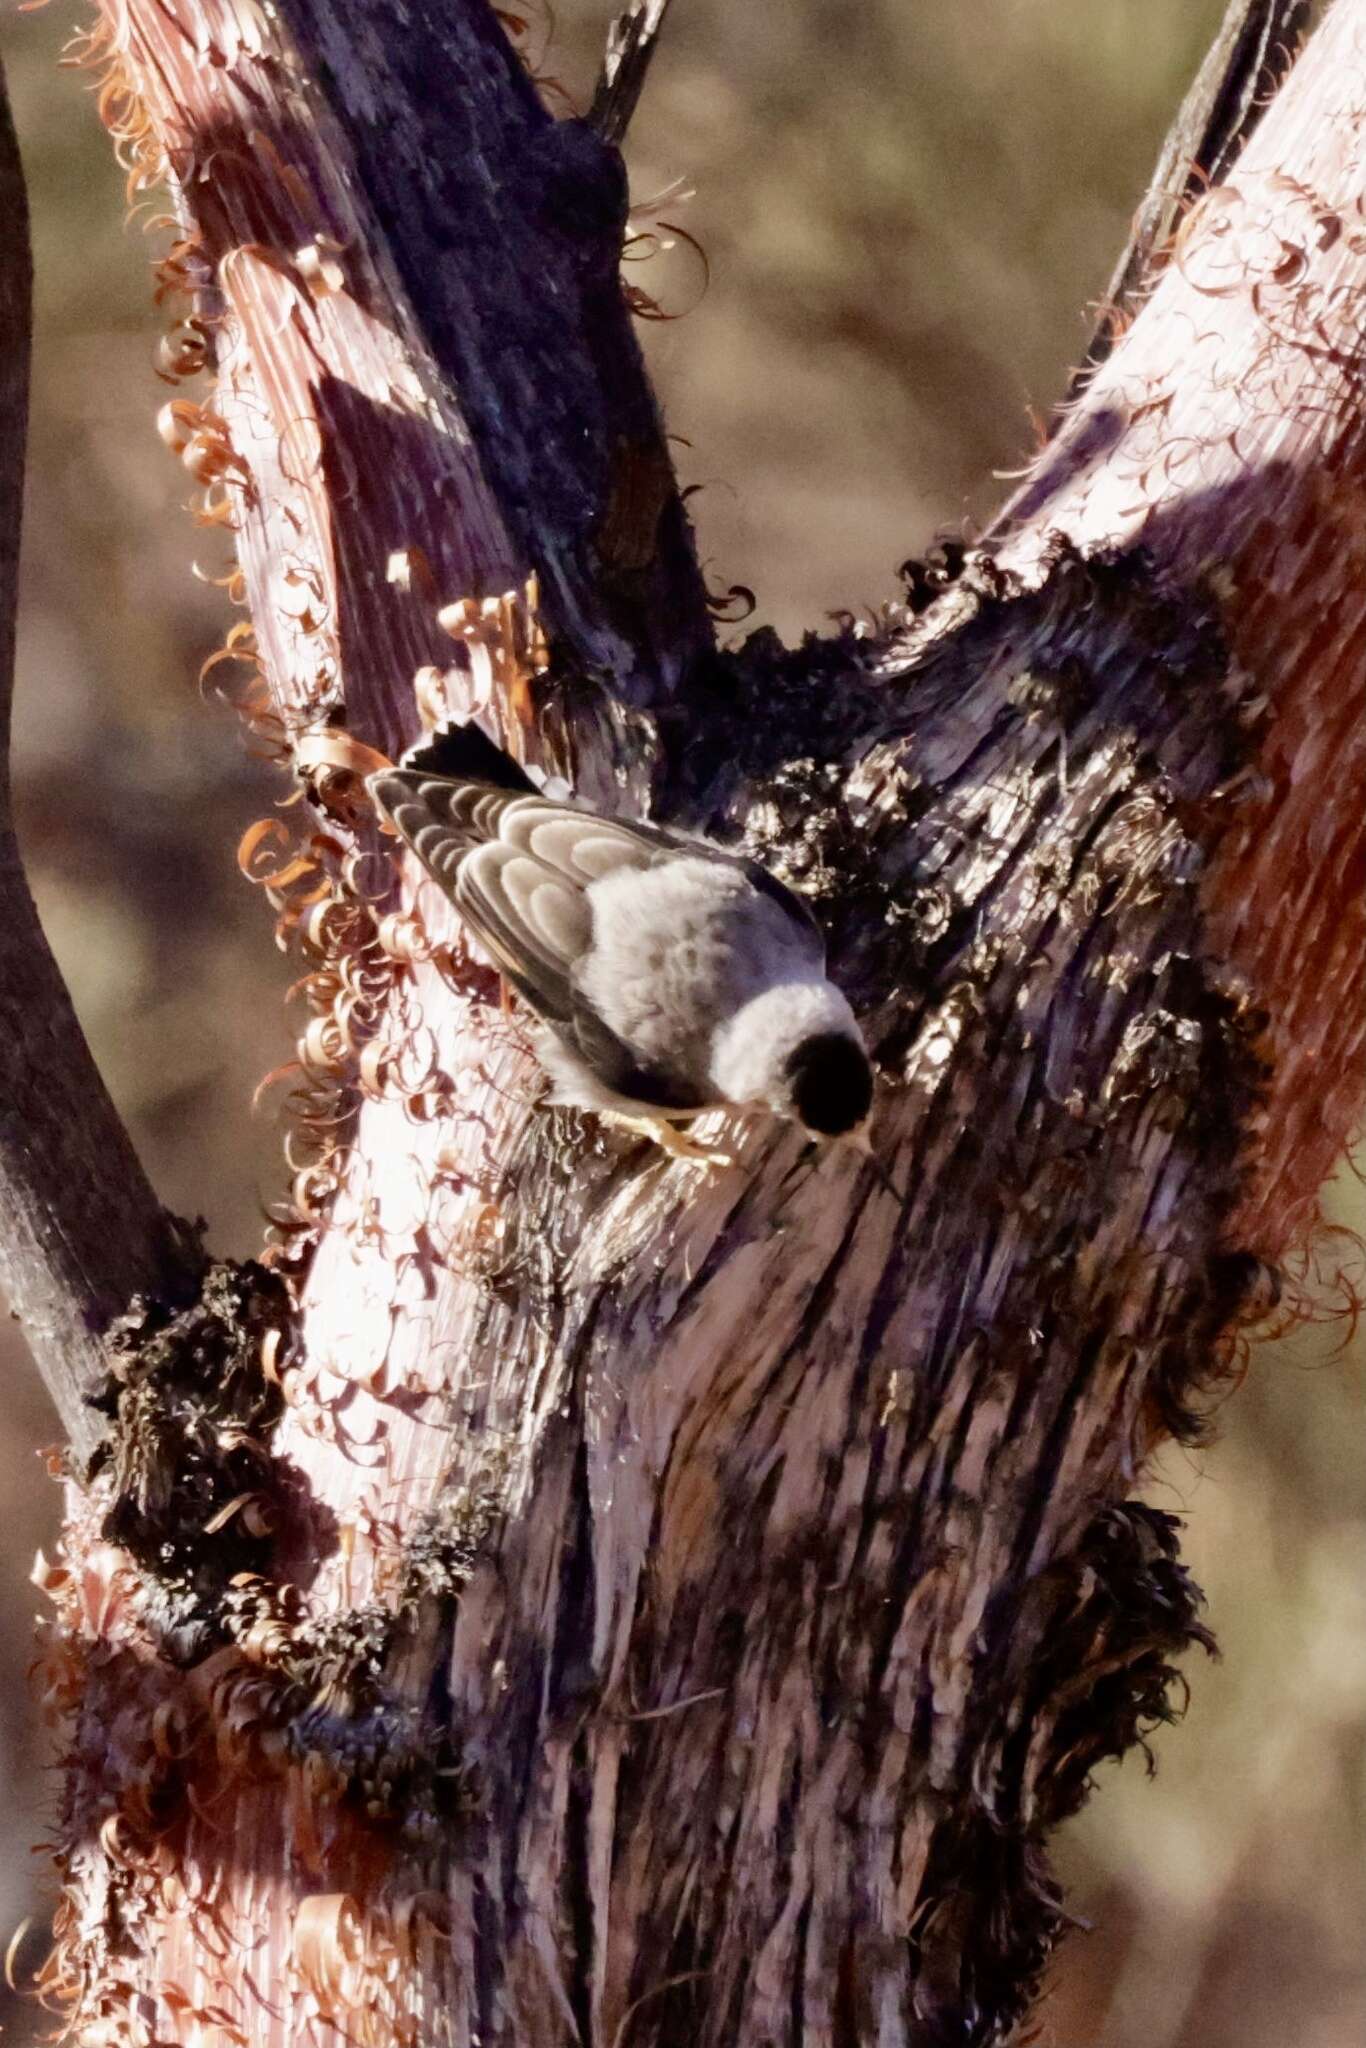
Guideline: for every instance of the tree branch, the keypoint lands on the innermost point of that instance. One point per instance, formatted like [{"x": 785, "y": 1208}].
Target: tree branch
[
  {"x": 82, "y": 1230},
  {"x": 1228, "y": 425},
  {"x": 1234, "y": 84},
  {"x": 444, "y": 125},
  {"x": 631, "y": 43}
]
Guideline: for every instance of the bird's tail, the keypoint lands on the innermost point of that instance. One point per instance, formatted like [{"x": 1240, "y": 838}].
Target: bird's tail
[
  {"x": 447, "y": 796},
  {"x": 465, "y": 753}
]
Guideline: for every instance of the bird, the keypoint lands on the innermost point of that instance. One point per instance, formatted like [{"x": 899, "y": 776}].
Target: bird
[{"x": 669, "y": 976}]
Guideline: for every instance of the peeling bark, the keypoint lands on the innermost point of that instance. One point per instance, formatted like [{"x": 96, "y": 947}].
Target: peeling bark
[
  {"x": 656, "y": 1608},
  {"x": 1256, "y": 43}
]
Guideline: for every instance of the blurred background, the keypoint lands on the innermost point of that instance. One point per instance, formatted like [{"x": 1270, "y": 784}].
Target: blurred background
[{"x": 905, "y": 211}]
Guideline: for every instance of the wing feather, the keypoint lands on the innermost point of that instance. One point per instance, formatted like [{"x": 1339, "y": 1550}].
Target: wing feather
[
  {"x": 516, "y": 868},
  {"x": 535, "y": 924},
  {"x": 580, "y": 844}
]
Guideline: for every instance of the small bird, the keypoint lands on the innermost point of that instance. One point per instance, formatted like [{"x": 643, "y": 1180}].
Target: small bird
[{"x": 670, "y": 977}]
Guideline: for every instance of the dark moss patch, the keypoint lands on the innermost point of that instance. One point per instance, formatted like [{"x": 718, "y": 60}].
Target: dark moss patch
[{"x": 196, "y": 1492}]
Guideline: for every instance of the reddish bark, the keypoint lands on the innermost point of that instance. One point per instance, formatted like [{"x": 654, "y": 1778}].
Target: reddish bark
[{"x": 1227, "y": 437}]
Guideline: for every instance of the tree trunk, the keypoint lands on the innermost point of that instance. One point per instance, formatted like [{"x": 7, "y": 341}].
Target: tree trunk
[{"x": 560, "y": 1596}]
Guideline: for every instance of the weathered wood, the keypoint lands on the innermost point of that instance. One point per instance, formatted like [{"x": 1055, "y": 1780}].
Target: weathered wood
[
  {"x": 1226, "y": 438},
  {"x": 82, "y": 1231},
  {"x": 1255, "y": 45},
  {"x": 691, "y": 1600}
]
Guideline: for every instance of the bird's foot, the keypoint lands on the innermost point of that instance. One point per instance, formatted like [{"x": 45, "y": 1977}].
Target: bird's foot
[{"x": 673, "y": 1141}]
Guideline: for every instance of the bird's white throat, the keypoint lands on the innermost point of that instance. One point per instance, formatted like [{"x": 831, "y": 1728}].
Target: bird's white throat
[{"x": 751, "y": 1050}]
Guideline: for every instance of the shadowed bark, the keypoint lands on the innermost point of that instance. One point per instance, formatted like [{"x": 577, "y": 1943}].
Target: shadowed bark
[{"x": 560, "y": 1597}]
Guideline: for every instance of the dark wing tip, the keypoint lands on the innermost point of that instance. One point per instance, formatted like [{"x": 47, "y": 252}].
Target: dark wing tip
[{"x": 465, "y": 753}]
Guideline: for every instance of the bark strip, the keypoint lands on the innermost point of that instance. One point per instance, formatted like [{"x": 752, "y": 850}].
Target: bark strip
[{"x": 1256, "y": 42}]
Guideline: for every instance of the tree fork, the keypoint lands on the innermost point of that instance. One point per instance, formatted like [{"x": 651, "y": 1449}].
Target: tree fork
[{"x": 679, "y": 1609}]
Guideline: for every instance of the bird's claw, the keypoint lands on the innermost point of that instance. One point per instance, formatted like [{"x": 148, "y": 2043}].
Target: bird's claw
[{"x": 675, "y": 1142}]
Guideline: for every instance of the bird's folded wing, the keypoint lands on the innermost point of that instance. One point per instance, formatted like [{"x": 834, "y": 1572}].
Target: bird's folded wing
[
  {"x": 534, "y": 923},
  {"x": 516, "y": 868}
]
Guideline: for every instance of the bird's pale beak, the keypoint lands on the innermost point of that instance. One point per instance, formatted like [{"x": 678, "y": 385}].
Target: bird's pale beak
[{"x": 860, "y": 1142}]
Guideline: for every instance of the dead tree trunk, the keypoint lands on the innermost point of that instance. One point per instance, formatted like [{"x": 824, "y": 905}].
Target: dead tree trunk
[{"x": 557, "y": 1598}]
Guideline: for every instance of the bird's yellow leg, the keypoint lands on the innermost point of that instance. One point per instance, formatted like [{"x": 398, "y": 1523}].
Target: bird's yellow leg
[{"x": 673, "y": 1141}]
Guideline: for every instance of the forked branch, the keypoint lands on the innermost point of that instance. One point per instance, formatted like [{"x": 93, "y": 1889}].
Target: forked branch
[{"x": 631, "y": 45}]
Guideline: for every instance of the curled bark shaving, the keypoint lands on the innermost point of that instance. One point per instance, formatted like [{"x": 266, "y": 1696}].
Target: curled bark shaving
[{"x": 1255, "y": 44}]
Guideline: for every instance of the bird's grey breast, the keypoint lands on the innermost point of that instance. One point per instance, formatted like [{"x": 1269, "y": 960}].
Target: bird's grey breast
[{"x": 678, "y": 947}]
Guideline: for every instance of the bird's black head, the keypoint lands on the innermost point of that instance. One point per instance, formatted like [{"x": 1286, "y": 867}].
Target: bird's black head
[{"x": 831, "y": 1082}]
